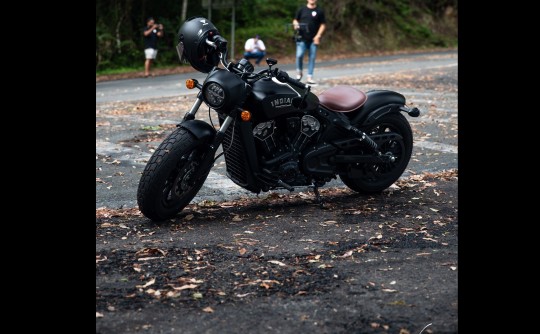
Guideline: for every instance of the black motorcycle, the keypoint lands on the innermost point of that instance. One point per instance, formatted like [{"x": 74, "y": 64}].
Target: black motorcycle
[{"x": 273, "y": 131}]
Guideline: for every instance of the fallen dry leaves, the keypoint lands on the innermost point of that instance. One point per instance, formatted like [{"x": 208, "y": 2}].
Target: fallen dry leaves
[
  {"x": 109, "y": 213},
  {"x": 421, "y": 181},
  {"x": 147, "y": 284},
  {"x": 150, "y": 252},
  {"x": 278, "y": 263},
  {"x": 187, "y": 286}
]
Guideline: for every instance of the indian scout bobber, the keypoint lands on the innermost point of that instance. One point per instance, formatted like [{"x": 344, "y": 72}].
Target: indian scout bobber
[{"x": 274, "y": 132}]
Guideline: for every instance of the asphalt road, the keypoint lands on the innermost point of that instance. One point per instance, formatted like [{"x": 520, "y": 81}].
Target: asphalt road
[
  {"x": 174, "y": 85},
  {"x": 133, "y": 116}
]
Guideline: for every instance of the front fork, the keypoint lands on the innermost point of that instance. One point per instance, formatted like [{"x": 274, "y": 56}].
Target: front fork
[
  {"x": 191, "y": 113},
  {"x": 208, "y": 159}
]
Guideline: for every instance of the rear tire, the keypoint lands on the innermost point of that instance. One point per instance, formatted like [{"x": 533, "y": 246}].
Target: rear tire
[
  {"x": 167, "y": 183},
  {"x": 377, "y": 177}
]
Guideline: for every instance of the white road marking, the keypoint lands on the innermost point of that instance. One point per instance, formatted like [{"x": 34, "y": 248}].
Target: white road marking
[{"x": 222, "y": 183}]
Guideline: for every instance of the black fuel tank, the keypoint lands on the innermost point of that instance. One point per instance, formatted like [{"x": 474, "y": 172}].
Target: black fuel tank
[{"x": 271, "y": 98}]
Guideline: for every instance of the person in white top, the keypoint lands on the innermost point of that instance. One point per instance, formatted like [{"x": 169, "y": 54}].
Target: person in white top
[{"x": 255, "y": 49}]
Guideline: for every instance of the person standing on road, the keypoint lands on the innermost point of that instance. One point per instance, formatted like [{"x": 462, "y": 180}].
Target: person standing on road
[
  {"x": 151, "y": 33},
  {"x": 255, "y": 48},
  {"x": 310, "y": 23}
]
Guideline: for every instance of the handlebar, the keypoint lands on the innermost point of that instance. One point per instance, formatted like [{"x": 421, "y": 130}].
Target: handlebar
[
  {"x": 284, "y": 77},
  {"x": 219, "y": 43}
]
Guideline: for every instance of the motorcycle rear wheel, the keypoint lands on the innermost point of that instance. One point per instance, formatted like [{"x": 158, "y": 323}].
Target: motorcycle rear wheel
[
  {"x": 377, "y": 177},
  {"x": 167, "y": 184}
]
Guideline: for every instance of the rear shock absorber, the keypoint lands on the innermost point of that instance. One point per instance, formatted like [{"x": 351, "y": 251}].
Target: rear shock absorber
[
  {"x": 365, "y": 138},
  {"x": 341, "y": 121}
]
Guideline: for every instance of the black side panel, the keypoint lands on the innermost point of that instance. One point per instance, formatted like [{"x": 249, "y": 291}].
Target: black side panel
[
  {"x": 375, "y": 100},
  {"x": 251, "y": 153},
  {"x": 236, "y": 155}
]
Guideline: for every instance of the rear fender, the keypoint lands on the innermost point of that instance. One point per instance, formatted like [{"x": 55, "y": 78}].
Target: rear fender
[
  {"x": 380, "y": 112},
  {"x": 378, "y": 104}
]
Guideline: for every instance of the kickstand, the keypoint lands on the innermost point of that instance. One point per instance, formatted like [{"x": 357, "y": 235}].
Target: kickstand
[{"x": 318, "y": 196}]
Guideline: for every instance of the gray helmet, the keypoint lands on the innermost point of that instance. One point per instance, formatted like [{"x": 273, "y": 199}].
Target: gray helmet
[{"x": 192, "y": 44}]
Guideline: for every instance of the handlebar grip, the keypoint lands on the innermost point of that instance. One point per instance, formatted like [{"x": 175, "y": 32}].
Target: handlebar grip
[
  {"x": 221, "y": 43},
  {"x": 284, "y": 77}
]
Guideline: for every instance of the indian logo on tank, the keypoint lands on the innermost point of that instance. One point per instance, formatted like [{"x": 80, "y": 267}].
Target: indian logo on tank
[{"x": 282, "y": 102}]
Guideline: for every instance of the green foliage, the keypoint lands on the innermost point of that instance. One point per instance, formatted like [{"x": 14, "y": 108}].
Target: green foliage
[{"x": 352, "y": 25}]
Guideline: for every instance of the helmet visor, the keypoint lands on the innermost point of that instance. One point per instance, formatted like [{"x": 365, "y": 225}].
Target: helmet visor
[{"x": 181, "y": 54}]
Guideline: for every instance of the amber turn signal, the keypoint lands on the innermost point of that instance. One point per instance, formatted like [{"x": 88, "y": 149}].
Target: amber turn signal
[
  {"x": 245, "y": 115},
  {"x": 190, "y": 83}
]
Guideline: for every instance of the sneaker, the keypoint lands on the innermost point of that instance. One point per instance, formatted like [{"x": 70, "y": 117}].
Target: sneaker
[
  {"x": 311, "y": 81},
  {"x": 298, "y": 77}
]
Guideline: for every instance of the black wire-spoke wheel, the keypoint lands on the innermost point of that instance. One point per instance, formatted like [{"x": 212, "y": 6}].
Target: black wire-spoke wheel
[
  {"x": 181, "y": 179},
  {"x": 169, "y": 181},
  {"x": 393, "y": 135}
]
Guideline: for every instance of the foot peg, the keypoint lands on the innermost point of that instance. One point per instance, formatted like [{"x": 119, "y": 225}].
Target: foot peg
[{"x": 285, "y": 185}]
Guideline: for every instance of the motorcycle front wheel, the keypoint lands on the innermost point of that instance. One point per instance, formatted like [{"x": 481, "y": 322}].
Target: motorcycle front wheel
[
  {"x": 168, "y": 183},
  {"x": 375, "y": 177}
]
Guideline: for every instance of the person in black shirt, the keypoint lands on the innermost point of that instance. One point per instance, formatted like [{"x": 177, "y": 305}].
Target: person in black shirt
[
  {"x": 151, "y": 33},
  {"x": 310, "y": 23}
]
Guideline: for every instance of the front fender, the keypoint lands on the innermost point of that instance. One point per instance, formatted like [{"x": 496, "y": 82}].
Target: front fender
[
  {"x": 201, "y": 130},
  {"x": 378, "y": 103}
]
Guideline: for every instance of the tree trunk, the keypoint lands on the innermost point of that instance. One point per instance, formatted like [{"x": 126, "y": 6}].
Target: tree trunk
[
  {"x": 117, "y": 34},
  {"x": 184, "y": 10},
  {"x": 126, "y": 12}
]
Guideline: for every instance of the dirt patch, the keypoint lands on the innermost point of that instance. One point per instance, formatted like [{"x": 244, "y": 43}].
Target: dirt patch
[{"x": 385, "y": 263}]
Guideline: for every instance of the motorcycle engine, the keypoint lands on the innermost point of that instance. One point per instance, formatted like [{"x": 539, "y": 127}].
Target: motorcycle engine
[{"x": 281, "y": 142}]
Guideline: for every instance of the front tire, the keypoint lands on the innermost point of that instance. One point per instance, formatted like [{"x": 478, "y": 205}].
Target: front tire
[
  {"x": 379, "y": 176},
  {"x": 167, "y": 184}
]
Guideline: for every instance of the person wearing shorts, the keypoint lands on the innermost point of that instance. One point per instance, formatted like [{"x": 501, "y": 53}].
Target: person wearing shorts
[{"x": 151, "y": 33}]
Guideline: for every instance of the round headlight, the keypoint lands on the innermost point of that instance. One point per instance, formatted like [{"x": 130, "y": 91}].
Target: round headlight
[
  {"x": 224, "y": 91},
  {"x": 214, "y": 95}
]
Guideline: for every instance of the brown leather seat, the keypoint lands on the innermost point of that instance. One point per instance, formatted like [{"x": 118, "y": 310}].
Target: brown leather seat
[{"x": 342, "y": 98}]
